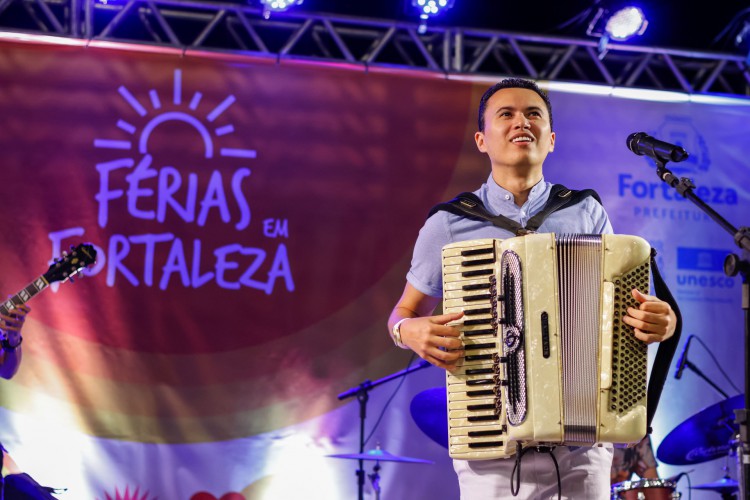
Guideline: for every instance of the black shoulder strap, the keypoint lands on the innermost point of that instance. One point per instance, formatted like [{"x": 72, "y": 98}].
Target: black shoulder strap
[
  {"x": 666, "y": 350},
  {"x": 470, "y": 206},
  {"x": 560, "y": 197}
]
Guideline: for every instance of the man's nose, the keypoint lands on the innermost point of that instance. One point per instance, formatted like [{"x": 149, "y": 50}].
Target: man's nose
[{"x": 522, "y": 121}]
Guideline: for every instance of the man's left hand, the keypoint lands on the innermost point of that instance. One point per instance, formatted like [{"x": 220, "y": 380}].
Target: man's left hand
[
  {"x": 12, "y": 323},
  {"x": 653, "y": 321}
]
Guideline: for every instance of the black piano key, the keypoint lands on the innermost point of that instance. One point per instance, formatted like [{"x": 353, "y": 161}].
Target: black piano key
[
  {"x": 486, "y": 444},
  {"x": 484, "y": 418},
  {"x": 476, "y": 286},
  {"x": 479, "y": 357},
  {"x": 472, "y": 322},
  {"x": 474, "y": 298},
  {"x": 480, "y": 371},
  {"x": 480, "y": 407},
  {"x": 477, "y": 394},
  {"x": 477, "y": 251},
  {"x": 485, "y": 433},
  {"x": 477, "y": 333},
  {"x": 482, "y": 381},
  {"x": 476, "y": 272},
  {"x": 478, "y": 262},
  {"x": 477, "y": 312},
  {"x": 473, "y": 347}
]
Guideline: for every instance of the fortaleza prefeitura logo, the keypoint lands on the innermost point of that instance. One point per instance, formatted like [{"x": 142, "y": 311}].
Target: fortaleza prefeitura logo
[{"x": 651, "y": 198}]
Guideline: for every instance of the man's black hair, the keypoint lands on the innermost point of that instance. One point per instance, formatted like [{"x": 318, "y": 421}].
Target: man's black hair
[{"x": 512, "y": 83}]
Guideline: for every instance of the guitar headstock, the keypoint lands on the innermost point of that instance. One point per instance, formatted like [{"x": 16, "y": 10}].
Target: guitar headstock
[{"x": 71, "y": 263}]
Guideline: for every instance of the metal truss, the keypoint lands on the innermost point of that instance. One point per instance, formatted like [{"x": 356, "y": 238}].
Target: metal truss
[{"x": 239, "y": 28}]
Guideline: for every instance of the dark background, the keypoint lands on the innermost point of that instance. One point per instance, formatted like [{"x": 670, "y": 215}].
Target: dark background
[{"x": 672, "y": 23}]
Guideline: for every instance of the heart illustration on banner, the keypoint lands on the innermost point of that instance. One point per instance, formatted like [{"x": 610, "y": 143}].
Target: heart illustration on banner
[{"x": 208, "y": 496}]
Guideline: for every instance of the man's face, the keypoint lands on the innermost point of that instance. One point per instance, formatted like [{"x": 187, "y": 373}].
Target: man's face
[{"x": 517, "y": 130}]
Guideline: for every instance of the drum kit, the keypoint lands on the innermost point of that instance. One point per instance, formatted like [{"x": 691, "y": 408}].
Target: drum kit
[
  {"x": 707, "y": 435},
  {"x": 378, "y": 455}
]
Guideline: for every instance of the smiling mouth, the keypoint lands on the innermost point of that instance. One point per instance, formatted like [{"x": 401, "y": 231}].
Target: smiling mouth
[{"x": 522, "y": 140}]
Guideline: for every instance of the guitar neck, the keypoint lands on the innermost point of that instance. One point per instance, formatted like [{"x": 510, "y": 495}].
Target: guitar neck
[{"x": 24, "y": 295}]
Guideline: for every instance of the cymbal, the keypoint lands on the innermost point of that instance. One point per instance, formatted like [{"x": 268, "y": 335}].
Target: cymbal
[
  {"x": 429, "y": 409},
  {"x": 702, "y": 437},
  {"x": 381, "y": 456},
  {"x": 723, "y": 485}
]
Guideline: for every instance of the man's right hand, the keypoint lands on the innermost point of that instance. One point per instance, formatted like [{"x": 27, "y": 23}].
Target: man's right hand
[{"x": 434, "y": 340}]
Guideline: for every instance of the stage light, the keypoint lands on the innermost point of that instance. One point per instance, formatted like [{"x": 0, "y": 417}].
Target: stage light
[
  {"x": 626, "y": 23},
  {"x": 616, "y": 24},
  {"x": 736, "y": 35},
  {"x": 742, "y": 40},
  {"x": 278, "y": 6},
  {"x": 428, "y": 9}
]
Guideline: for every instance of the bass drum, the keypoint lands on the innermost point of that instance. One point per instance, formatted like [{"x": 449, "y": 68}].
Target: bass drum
[{"x": 645, "y": 489}]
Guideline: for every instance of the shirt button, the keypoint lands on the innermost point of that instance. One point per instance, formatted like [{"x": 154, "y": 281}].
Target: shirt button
[
  {"x": 507, "y": 197},
  {"x": 523, "y": 213}
]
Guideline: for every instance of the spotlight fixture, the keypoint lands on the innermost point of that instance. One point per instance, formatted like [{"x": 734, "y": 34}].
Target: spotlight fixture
[
  {"x": 278, "y": 6},
  {"x": 430, "y": 8},
  {"x": 617, "y": 24},
  {"x": 626, "y": 23},
  {"x": 736, "y": 35}
]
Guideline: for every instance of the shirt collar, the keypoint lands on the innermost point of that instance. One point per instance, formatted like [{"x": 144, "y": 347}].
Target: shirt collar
[{"x": 500, "y": 200}]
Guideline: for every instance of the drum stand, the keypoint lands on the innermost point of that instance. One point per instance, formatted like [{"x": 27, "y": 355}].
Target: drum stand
[
  {"x": 733, "y": 265},
  {"x": 375, "y": 480},
  {"x": 362, "y": 392}
]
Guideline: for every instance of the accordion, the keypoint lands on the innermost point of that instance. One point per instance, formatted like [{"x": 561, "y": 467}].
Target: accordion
[{"x": 548, "y": 359}]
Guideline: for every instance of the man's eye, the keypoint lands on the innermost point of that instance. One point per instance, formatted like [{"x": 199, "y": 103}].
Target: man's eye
[{"x": 535, "y": 113}]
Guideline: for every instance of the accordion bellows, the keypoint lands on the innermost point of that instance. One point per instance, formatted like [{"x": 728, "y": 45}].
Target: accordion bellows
[{"x": 548, "y": 359}]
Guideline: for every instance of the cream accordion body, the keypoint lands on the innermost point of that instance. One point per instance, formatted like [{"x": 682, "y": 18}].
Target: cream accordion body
[{"x": 548, "y": 359}]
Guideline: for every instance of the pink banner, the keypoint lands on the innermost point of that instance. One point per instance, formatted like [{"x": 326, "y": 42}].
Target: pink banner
[{"x": 253, "y": 222}]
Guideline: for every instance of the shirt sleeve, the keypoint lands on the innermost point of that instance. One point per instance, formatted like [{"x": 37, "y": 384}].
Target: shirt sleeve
[
  {"x": 426, "y": 274},
  {"x": 599, "y": 217}
]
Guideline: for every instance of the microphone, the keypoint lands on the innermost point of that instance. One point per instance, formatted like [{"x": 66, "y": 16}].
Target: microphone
[
  {"x": 683, "y": 358},
  {"x": 641, "y": 144}
]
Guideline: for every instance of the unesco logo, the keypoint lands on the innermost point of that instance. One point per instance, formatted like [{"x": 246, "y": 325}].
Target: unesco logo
[{"x": 702, "y": 268}]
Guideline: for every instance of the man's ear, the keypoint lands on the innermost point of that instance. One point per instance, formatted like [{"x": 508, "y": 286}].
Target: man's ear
[
  {"x": 479, "y": 139},
  {"x": 552, "y": 142}
]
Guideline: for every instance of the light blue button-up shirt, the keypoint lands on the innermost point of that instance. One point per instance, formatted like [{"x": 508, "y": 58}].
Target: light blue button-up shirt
[{"x": 586, "y": 217}]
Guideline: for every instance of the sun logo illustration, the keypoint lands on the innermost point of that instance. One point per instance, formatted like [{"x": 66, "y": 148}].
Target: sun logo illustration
[
  {"x": 126, "y": 495},
  {"x": 205, "y": 130},
  {"x": 167, "y": 179}
]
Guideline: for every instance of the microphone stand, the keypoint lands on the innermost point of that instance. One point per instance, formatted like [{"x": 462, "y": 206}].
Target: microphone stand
[
  {"x": 733, "y": 265},
  {"x": 362, "y": 393},
  {"x": 702, "y": 375}
]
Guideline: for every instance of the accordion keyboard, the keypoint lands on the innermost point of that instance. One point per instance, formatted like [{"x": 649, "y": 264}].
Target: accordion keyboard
[{"x": 476, "y": 416}]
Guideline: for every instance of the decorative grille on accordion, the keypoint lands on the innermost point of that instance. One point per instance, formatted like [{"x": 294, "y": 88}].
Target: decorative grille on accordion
[{"x": 548, "y": 359}]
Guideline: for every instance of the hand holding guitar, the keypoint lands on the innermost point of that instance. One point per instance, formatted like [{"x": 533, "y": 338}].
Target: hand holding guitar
[
  {"x": 10, "y": 326},
  {"x": 14, "y": 310}
]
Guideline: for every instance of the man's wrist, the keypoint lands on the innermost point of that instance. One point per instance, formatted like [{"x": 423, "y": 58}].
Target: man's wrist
[{"x": 396, "y": 334}]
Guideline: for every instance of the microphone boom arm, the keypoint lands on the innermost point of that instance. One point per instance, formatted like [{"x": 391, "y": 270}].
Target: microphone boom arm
[
  {"x": 685, "y": 187},
  {"x": 733, "y": 265}
]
